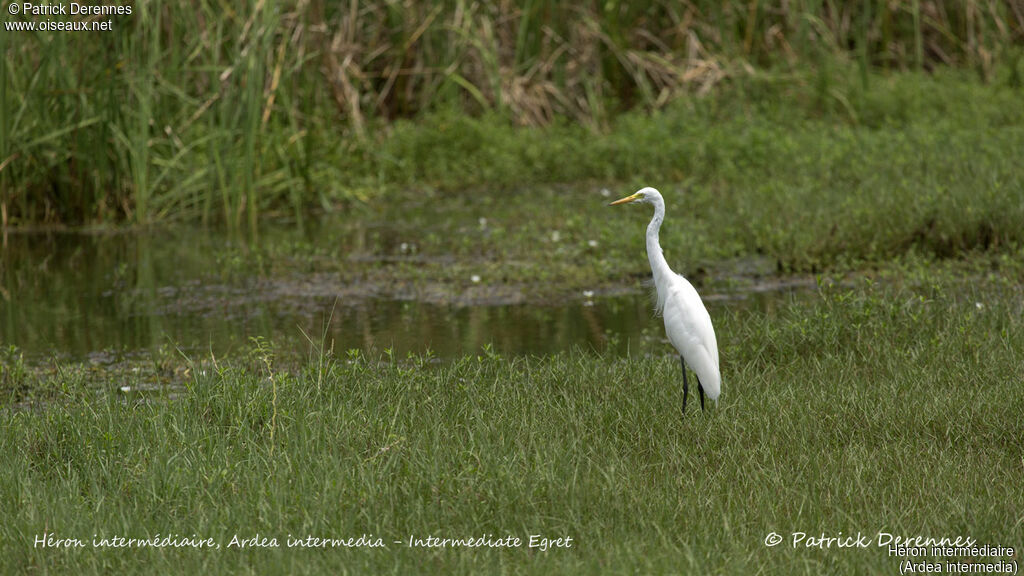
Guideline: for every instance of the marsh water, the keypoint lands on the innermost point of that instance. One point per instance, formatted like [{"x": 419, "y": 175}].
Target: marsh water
[{"x": 80, "y": 296}]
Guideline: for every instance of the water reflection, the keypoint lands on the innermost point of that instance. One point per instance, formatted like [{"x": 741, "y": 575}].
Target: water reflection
[{"x": 72, "y": 295}]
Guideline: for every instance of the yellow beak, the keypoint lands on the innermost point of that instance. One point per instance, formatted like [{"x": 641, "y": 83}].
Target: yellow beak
[{"x": 626, "y": 200}]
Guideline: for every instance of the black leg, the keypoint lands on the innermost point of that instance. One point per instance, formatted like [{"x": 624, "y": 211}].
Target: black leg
[
  {"x": 686, "y": 385},
  {"x": 700, "y": 388}
]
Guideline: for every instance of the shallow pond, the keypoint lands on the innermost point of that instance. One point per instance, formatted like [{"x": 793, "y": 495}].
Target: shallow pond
[{"x": 78, "y": 296}]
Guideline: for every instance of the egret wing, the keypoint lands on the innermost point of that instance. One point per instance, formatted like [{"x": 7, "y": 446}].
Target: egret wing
[{"x": 689, "y": 329}]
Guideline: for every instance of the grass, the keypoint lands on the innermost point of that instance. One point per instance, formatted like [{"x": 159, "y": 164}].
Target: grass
[
  {"x": 876, "y": 408},
  {"x": 926, "y": 172},
  {"x": 926, "y": 167},
  {"x": 919, "y": 165},
  {"x": 187, "y": 111}
]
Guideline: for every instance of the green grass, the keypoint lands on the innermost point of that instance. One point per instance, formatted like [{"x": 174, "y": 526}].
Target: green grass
[
  {"x": 188, "y": 111},
  {"x": 918, "y": 165},
  {"x": 926, "y": 172},
  {"x": 927, "y": 167},
  {"x": 867, "y": 409}
]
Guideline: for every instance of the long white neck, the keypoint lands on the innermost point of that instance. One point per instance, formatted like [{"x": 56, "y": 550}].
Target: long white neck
[{"x": 659, "y": 267}]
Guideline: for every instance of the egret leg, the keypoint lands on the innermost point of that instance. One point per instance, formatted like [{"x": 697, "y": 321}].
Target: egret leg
[
  {"x": 686, "y": 385},
  {"x": 700, "y": 388}
]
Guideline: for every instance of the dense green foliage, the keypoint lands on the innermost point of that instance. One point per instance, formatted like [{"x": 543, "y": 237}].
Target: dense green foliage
[
  {"x": 192, "y": 111},
  {"x": 933, "y": 169},
  {"x": 926, "y": 166}
]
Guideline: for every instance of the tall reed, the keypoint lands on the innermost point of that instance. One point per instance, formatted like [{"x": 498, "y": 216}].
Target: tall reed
[{"x": 195, "y": 110}]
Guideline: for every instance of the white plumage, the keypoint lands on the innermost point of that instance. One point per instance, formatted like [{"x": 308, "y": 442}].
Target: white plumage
[
  {"x": 687, "y": 322},
  {"x": 689, "y": 329}
]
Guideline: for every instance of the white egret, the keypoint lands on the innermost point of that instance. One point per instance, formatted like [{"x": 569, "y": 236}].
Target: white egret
[{"x": 687, "y": 322}]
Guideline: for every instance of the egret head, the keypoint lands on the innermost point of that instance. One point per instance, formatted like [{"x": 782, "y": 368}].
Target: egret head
[{"x": 646, "y": 195}]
